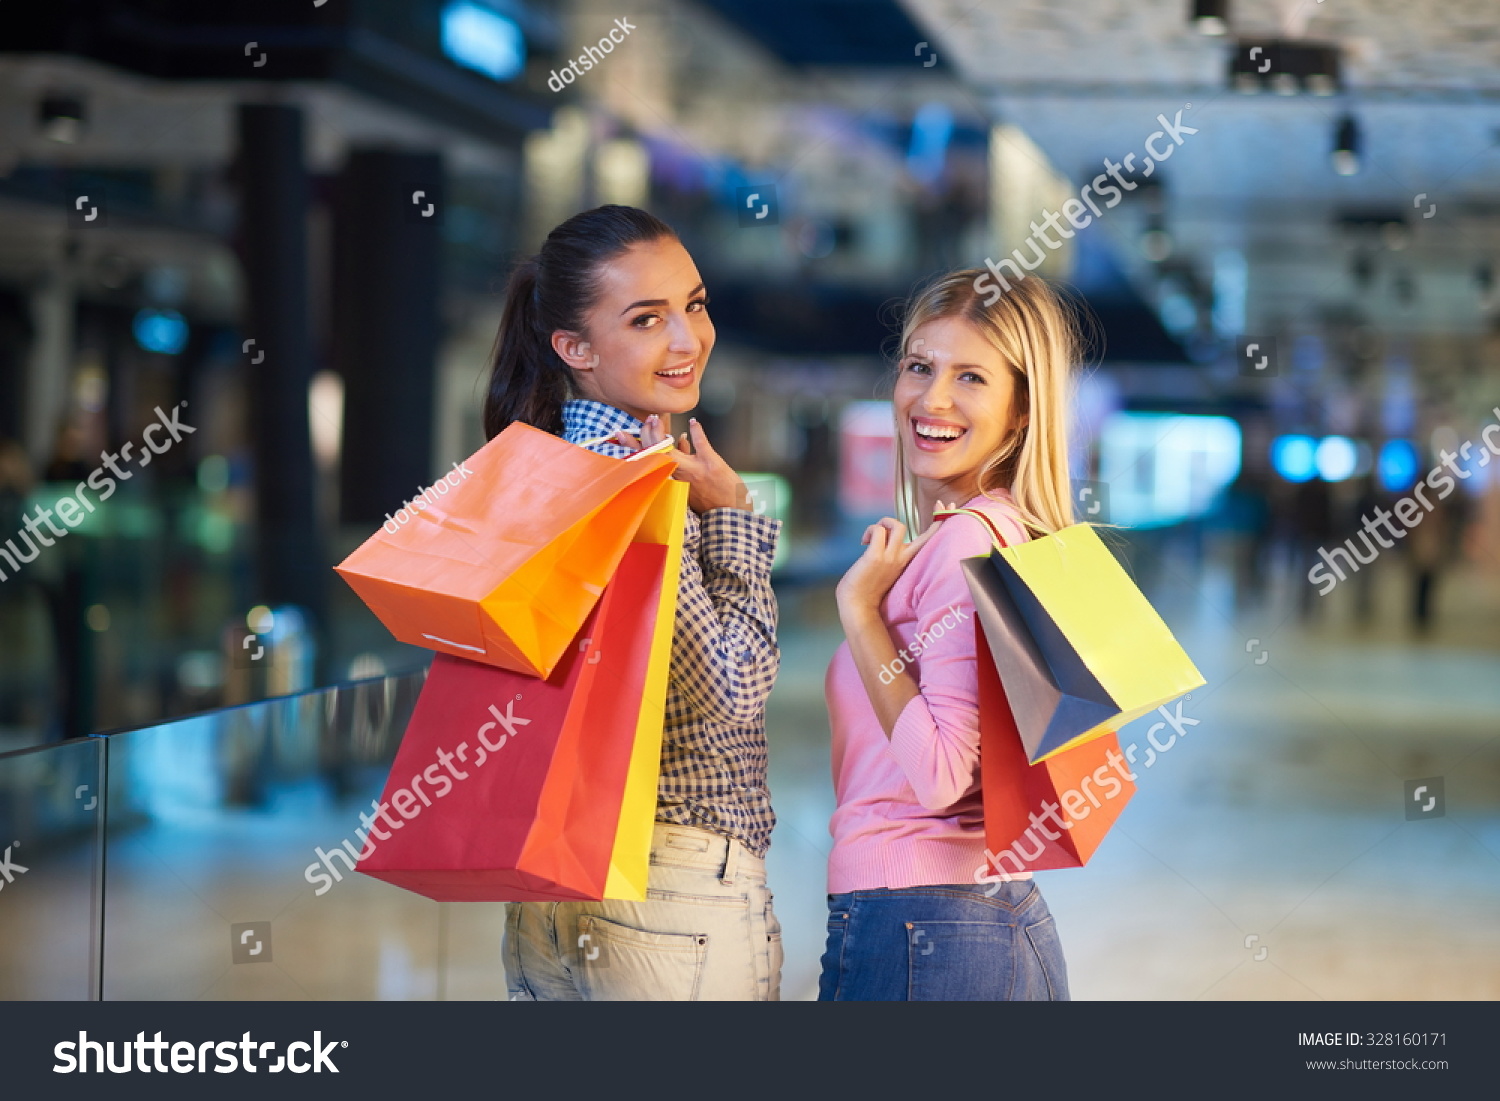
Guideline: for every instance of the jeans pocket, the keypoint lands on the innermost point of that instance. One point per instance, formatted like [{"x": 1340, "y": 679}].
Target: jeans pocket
[
  {"x": 516, "y": 989},
  {"x": 1050, "y": 973},
  {"x": 960, "y": 961},
  {"x": 831, "y": 965},
  {"x": 695, "y": 841},
  {"x": 774, "y": 952},
  {"x": 618, "y": 963},
  {"x": 698, "y": 886}
]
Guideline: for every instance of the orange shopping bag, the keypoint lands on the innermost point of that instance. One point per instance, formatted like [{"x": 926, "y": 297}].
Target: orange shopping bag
[
  {"x": 1052, "y": 814},
  {"x": 504, "y": 567},
  {"x": 516, "y": 789}
]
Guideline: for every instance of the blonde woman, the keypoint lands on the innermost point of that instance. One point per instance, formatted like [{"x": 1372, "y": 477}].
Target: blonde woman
[{"x": 981, "y": 404}]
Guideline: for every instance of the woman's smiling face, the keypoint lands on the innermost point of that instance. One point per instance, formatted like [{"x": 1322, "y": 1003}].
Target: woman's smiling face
[
  {"x": 956, "y": 403},
  {"x": 648, "y": 337}
]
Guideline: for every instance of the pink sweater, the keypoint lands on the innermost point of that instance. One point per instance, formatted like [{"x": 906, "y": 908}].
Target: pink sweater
[{"x": 909, "y": 809}]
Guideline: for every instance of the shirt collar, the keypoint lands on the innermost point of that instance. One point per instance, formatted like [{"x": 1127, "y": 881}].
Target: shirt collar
[{"x": 584, "y": 420}]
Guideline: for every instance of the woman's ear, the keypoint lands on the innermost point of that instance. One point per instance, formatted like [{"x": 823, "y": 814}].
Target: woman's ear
[{"x": 573, "y": 350}]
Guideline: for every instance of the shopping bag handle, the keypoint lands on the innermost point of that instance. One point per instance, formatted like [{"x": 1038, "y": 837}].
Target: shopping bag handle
[
  {"x": 994, "y": 528},
  {"x": 659, "y": 445}
]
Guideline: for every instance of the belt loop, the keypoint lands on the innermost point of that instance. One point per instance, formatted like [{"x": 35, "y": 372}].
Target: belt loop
[{"x": 731, "y": 861}]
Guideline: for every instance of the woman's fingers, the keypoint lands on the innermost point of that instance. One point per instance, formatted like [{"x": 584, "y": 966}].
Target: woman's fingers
[
  {"x": 652, "y": 431},
  {"x": 909, "y": 551},
  {"x": 700, "y": 439},
  {"x": 625, "y": 439}
]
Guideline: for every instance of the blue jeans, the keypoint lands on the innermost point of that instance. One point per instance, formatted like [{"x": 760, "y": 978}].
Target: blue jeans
[{"x": 945, "y": 943}]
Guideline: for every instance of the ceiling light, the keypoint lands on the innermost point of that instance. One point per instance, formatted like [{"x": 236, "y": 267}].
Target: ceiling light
[
  {"x": 1286, "y": 66},
  {"x": 1211, "y": 17},
  {"x": 60, "y": 117},
  {"x": 1346, "y": 146},
  {"x": 1156, "y": 244}
]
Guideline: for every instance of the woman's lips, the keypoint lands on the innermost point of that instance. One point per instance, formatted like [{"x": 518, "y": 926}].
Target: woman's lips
[
  {"x": 931, "y": 443},
  {"x": 679, "y": 377}
]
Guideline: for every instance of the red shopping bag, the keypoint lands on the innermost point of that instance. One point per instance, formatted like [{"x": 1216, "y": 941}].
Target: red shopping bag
[
  {"x": 1075, "y": 795},
  {"x": 510, "y": 787}
]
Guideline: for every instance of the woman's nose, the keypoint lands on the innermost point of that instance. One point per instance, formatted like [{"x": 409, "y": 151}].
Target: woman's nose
[
  {"x": 937, "y": 395},
  {"x": 680, "y": 336}
]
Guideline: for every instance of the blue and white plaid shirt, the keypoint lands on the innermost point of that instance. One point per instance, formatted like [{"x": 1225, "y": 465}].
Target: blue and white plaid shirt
[{"x": 724, "y": 660}]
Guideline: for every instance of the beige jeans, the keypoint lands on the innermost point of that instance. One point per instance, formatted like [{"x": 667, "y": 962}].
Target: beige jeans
[{"x": 705, "y": 932}]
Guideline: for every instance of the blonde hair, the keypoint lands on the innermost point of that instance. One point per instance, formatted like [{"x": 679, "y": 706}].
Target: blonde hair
[{"x": 1040, "y": 340}]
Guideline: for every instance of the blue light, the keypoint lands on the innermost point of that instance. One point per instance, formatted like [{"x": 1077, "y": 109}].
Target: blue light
[
  {"x": 1294, "y": 457},
  {"x": 1336, "y": 458},
  {"x": 1163, "y": 468},
  {"x": 480, "y": 38},
  {"x": 931, "y": 131},
  {"x": 1397, "y": 465},
  {"x": 163, "y": 331}
]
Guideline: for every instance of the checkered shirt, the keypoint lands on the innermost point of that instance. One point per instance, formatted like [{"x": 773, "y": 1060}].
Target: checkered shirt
[{"x": 724, "y": 660}]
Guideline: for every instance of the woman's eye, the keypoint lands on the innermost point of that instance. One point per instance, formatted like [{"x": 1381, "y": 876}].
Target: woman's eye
[
  {"x": 918, "y": 366},
  {"x": 972, "y": 377},
  {"x": 643, "y": 321},
  {"x": 699, "y": 304}
]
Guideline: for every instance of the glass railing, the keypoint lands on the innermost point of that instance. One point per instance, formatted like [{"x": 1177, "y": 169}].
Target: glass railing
[
  {"x": 206, "y": 858},
  {"x": 51, "y": 864}
]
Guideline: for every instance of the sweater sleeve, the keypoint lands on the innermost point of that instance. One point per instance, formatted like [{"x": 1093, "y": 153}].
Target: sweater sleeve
[{"x": 936, "y": 737}]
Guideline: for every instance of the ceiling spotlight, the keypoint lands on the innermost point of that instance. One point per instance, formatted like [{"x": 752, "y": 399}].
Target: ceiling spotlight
[
  {"x": 1156, "y": 242},
  {"x": 1211, "y": 17},
  {"x": 60, "y": 117},
  {"x": 1346, "y": 146},
  {"x": 1287, "y": 67},
  {"x": 1156, "y": 245}
]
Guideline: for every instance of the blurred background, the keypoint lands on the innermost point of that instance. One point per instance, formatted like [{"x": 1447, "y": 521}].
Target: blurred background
[{"x": 284, "y": 225}]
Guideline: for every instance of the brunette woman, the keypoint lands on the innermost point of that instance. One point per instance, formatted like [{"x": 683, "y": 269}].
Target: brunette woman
[{"x": 604, "y": 338}]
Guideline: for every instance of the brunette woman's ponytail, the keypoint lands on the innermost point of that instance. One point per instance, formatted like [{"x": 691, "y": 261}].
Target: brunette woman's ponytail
[
  {"x": 553, "y": 290},
  {"x": 528, "y": 381}
]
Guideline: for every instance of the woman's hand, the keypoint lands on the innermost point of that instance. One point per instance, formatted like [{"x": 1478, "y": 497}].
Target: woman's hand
[
  {"x": 869, "y": 579},
  {"x": 712, "y": 483}
]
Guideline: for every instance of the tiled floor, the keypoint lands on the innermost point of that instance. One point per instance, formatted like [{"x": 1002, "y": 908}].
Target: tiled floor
[{"x": 1268, "y": 853}]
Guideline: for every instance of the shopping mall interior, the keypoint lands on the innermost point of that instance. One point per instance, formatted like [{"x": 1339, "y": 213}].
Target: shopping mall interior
[{"x": 253, "y": 260}]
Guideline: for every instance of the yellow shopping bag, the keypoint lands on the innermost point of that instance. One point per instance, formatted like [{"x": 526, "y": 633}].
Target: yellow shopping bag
[
  {"x": 556, "y": 796},
  {"x": 1080, "y": 650},
  {"x": 630, "y": 859}
]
